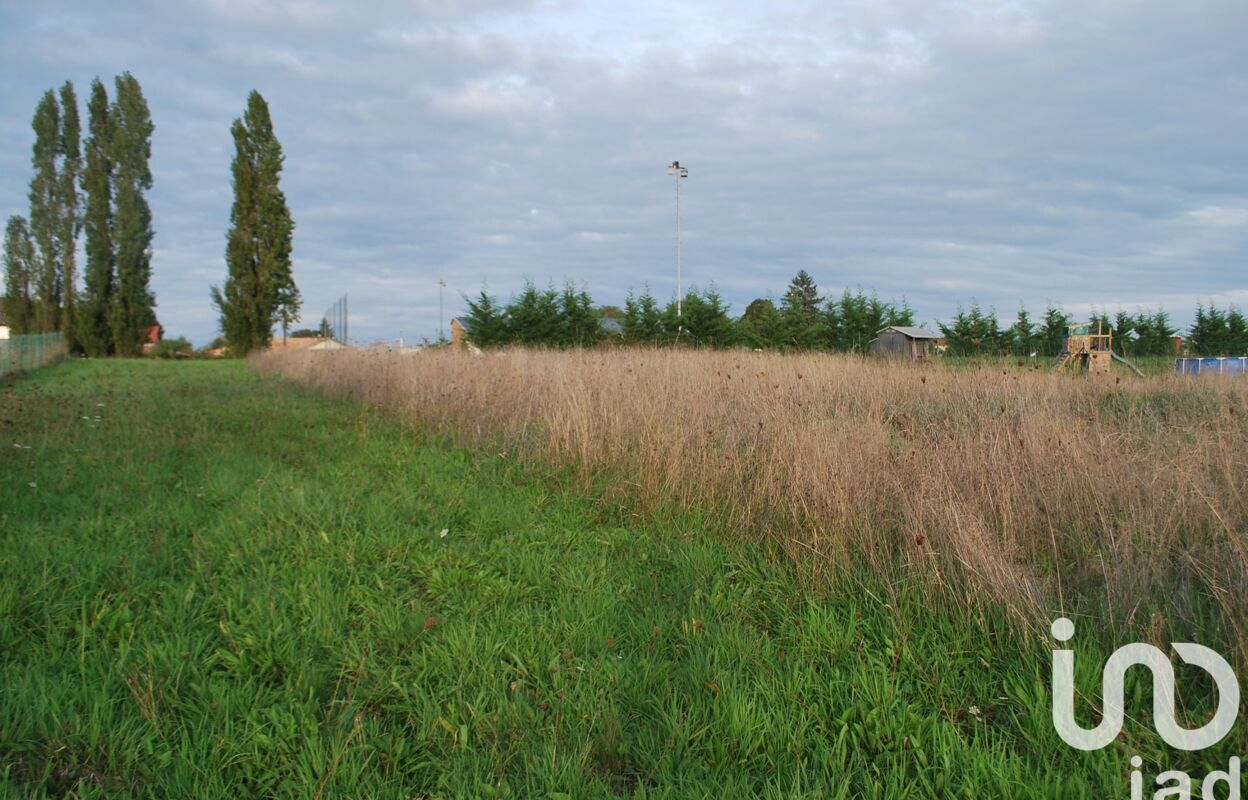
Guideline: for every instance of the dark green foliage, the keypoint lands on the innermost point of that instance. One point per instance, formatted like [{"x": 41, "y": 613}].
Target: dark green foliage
[
  {"x": 45, "y": 226},
  {"x": 1236, "y": 332},
  {"x": 643, "y": 321},
  {"x": 761, "y": 326},
  {"x": 578, "y": 319},
  {"x": 55, "y": 219},
  {"x": 1052, "y": 334},
  {"x": 975, "y": 333},
  {"x": 486, "y": 321},
  {"x": 260, "y": 288},
  {"x": 305, "y": 333},
  {"x": 133, "y": 310},
  {"x": 94, "y": 329},
  {"x": 703, "y": 322},
  {"x": 69, "y": 216},
  {"x": 1144, "y": 334},
  {"x": 1215, "y": 332},
  {"x": 552, "y": 318},
  {"x": 533, "y": 317},
  {"x": 851, "y": 322},
  {"x": 289, "y": 302},
  {"x": 802, "y": 325},
  {"x": 19, "y": 273},
  {"x": 1021, "y": 337}
]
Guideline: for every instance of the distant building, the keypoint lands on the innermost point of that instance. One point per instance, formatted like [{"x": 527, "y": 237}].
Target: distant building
[
  {"x": 151, "y": 336},
  {"x": 612, "y": 327},
  {"x": 459, "y": 332},
  {"x": 298, "y": 343},
  {"x": 903, "y": 342}
]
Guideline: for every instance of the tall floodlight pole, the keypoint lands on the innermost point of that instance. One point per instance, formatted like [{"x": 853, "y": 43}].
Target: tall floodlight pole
[
  {"x": 676, "y": 170},
  {"x": 441, "y": 330}
]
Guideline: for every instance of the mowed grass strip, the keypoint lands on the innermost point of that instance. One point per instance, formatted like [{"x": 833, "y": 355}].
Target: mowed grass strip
[{"x": 216, "y": 584}]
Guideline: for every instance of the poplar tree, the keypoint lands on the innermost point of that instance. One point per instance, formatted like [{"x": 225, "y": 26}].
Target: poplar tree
[
  {"x": 133, "y": 305},
  {"x": 259, "y": 287},
  {"x": 94, "y": 330},
  {"x": 69, "y": 218},
  {"x": 19, "y": 266},
  {"x": 45, "y": 192}
]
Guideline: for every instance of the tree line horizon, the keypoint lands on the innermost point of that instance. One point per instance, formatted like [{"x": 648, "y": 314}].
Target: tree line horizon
[
  {"x": 803, "y": 320},
  {"x": 98, "y": 186}
]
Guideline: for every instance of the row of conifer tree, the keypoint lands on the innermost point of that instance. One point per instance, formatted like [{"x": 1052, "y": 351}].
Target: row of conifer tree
[{"x": 803, "y": 320}]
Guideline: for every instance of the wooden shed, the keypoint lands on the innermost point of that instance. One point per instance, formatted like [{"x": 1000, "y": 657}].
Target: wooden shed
[{"x": 901, "y": 341}]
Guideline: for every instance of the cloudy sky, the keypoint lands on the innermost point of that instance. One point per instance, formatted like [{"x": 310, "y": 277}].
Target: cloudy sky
[{"x": 1083, "y": 153}]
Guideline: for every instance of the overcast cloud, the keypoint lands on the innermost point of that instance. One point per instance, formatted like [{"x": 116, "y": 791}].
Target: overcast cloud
[{"x": 1082, "y": 153}]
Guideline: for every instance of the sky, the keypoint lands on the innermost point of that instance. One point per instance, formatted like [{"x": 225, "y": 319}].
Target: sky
[{"x": 1084, "y": 154}]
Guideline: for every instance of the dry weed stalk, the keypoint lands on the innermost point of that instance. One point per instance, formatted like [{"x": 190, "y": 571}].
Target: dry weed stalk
[{"x": 994, "y": 480}]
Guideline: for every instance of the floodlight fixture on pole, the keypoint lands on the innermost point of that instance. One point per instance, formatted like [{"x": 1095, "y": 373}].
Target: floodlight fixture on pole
[
  {"x": 676, "y": 170},
  {"x": 441, "y": 330}
]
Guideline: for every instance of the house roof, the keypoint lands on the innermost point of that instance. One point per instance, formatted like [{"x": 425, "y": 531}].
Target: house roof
[{"x": 911, "y": 332}]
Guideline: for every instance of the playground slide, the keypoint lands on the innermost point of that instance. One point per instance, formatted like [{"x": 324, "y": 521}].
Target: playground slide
[{"x": 1133, "y": 367}]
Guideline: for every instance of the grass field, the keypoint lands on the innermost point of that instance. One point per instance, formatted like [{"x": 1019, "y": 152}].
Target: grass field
[
  {"x": 215, "y": 583},
  {"x": 1122, "y": 502}
]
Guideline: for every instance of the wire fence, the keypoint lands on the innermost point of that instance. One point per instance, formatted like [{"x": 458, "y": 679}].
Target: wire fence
[
  {"x": 334, "y": 322},
  {"x": 24, "y": 353}
]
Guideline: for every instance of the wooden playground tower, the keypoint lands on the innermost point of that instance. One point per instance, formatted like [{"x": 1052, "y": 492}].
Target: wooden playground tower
[{"x": 1091, "y": 352}]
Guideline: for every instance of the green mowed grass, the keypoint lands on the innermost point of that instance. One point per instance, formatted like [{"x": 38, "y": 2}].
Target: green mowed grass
[{"x": 215, "y": 584}]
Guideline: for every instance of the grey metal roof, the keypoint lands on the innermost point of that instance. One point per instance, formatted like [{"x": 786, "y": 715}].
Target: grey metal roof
[{"x": 913, "y": 333}]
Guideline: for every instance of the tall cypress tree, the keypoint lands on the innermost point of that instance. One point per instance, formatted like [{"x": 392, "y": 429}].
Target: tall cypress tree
[
  {"x": 19, "y": 266},
  {"x": 69, "y": 218},
  {"x": 94, "y": 331},
  {"x": 259, "y": 288},
  {"x": 45, "y": 192},
  {"x": 133, "y": 306}
]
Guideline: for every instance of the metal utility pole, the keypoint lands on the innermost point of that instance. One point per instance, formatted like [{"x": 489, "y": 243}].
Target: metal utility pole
[
  {"x": 441, "y": 330},
  {"x": 676, "y": 170}
]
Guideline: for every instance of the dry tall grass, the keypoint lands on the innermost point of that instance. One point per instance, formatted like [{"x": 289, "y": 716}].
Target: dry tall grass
[{"x": 1047, "y": 492}]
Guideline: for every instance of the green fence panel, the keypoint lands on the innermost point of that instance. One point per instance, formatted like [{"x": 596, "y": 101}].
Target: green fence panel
[{"x": 24, "y": 353}]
